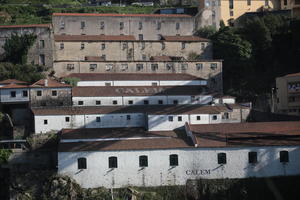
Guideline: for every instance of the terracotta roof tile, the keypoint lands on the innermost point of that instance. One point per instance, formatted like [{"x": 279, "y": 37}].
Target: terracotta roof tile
[
  {"x": 26, "y": 26},
  {"x": 291, "y": 75},
  {"x": 121, "y": 15},
  {"x": 12, "y": 85},
  {"x": 149, "y": 109},
  {"x": 50, "y": 83},
  {"x": 185, "y": 38},
  {"x": 97, "y": 91},
  {"x": 247, "y": 134},
  {"x": 15, "y": 81},
  {"x": 132, "y": 76},
  {"x": 74, "y": 38}
]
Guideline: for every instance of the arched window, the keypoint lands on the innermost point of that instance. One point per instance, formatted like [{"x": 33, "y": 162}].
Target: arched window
[
  {"x": 143, "y": 160},
  {"x": 173, "y": 160},
  {"x": 284, "y": 156},
  {"x": 113, "y": 162},
  {"x": 81, "y": 163},
  {"x": 221, "y": 158}
]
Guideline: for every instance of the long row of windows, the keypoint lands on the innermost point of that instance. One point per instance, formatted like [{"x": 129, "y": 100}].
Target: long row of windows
[
  {"x": 173, "y": 160},
  {"x": 125, "y": 45},
  {"x": 154, "y": 67},
  {"x": 14, "y": 93},
  {"x": 121, "y": 25},
  {"x": 130, "y": 102},
  {"x": 38, "y": 93}
]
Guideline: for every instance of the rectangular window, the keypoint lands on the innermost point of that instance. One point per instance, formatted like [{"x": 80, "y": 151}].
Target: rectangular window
[
  {"x": 113, "y": 162},
  {"x": 249, "y": 2},
  {"x": 141, "y": 37},
  {"x": 140, "y": 25},
  {"x": 284, "y": 156},
  {"x": 144, "y": 57},
  {"x": 154, "y": 67},
  {"x": 173, "y": 160},
  {"x": 98, "y": 102},
  {"x": 163, "y": 46},
  {"x": 125, "y": 45},
  {"x": 170, "y": 66},
  {"x": 158, "y": 26},
  {"x": 202, "y": 46},
  {"x": 128, "y": 117},
  {"x": 80, "y": 102},
  {"x": 139, "y": 67},
  {"x": 67, "y": 119},
  {"x": 70, "y": 67},
  {"x": 214, "y": 117},
  {"x": 98, "y": 119},
  {"x": 121, "y": 25},
  {"x": 182, "y": 45},
  {"x": 45, "y": 121},
  {"x": 146, "y": 102},
  {"x": 230, "y": 4},
  {"x": 25, "y": 93},
  {"x": 130, "y": 102},
  {"x": 184, "y": 66},
  {"x": 62, "y": 25},
  {"x": 103, "y": 46},
  {"x": 13, "y": 94},
  {"x": 82, "y": 46},
  {"x": 143, "y": 161},
  {"x": 93, "y": 67},
  {"x": 199, "y": 66},
  {"x": 39, "y": 93},
  {"x": 103, "y": 56},
  {"x": 61, "y": 45},
  {"x": 82, "y": 25},
  {"x": 81, "y": 163},
  {"x": 102, "y": 25},
  {"x": 198, "y": 118},
  {"x": 42, "y": 59},
  {"x": 266, "y": 2},
  {"x": 221, "y": 158},
  {"x": 175, "y": 102},
  {"x": 285, "y": 2},
  {"x": 160, "y": 102},
  {"x": 143, "y": 45},
  {"x": 170, "y": 118},
  {"x": 54, "y": 93},
  {"x": 179, "y": 118},
  {"x": 124, "y": 67},
  {"x": 177, "y": 26},
  {"x": 115, "y": 102},
  {"x": 107, "y": 84},
  {"x": 42, "y": 44},
  {"x": 213, "y": 66},
  {"x": 154, "y": 83},
  {"x": 252, "y": 157}
]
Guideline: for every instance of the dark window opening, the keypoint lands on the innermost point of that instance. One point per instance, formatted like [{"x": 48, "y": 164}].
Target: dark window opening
[
  {"x": 128, "y": 117},
  {"x": 146, "y": 102},
  {"x": 54, "y": 93},
  {"x": 81, "y": 163},
  {"x": 175, "y": 102},
  {"x": 252, "y": 157},
  {"x": 143, "y": 161},
  {"x": 98, "y": 119},
  {"x": 130, "y": 102},
  {"x": 198, "y": 118},
  {"x": 80, "y": 102},
  {"x": 13, "y": 94},
  {"x": 25, "y": 93},
  {"x": 160, "y": 102},
  {"x": 284, "y": 156},
  {"x": 115, "y": 102},
  {"x": 179, "y": 118},
  {"x": 67, "y": 119},
  {"x": 174, "y": 160},
  {"x": 113, "y": 162},
  {"x": 39, "y": 93},
  {"x": 170, "y": 118},
  {"x": 221, "y": 158},
  {"x": 98, "y": 102},
  {"x": 45, "y": 121}
]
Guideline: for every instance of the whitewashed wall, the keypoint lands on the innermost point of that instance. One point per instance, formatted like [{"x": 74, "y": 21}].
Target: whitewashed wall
[
  {"x": 91, "y": 101},
  {"x": 6, "y": 97},
  {"x": 194, "y": 163},
  {"x": 58, "y": 122},
  {"x": 142, "y": 83}
]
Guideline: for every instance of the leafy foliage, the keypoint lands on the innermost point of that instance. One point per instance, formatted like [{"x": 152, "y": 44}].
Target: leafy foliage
[
  {"x": 4, "y": 155},
  {"x": 206, "y": 32},
  {"x": 16, "y": 48},
  {"x": 28, "y": 73},
  {"x": 71, "y": 81}
]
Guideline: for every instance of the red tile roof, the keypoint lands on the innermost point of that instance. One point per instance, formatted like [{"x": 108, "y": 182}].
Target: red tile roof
[
  {"x": 15, "y": 81},
  {"x": 247, "y": 134},
  {"x": 88, "y": 38},
  {"x": 98, "y": 91},
  {"x": 26, "y": 26},
  {"x": 291, "y": 75},
  {"x": 148, "y": 109},
  {"x": 132, "y": 76},
  {"x": 185, "y": 38},
  {"x": 121, "y": 15},
  {"x": 12, "y": 85},
  {"x": 51, "y": 83}
]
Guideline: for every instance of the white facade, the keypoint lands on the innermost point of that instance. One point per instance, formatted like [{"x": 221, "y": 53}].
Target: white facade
[
  {"x": 47, "y": 123},
  {"x": 171, "y": 122},
  {"x": 14, "y": 95},
  {"x": 140, "y": 100},
  {"x": 193, "y": 163},
  {"x": 143, "y": 83}
]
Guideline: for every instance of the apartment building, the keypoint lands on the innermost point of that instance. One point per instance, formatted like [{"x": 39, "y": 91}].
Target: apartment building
[
  {"x": 288, "y": 94},
  {"x": 293, "y": 5}
]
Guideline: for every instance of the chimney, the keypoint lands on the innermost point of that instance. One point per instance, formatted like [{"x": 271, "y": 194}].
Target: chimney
[{"x": 46, "y": 82}]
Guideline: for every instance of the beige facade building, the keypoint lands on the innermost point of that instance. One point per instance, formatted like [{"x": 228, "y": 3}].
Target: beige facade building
[
  {"x": 288, "y": 94},
  {"x": 230, "y": 10},
  {"x": 293, "y": 5}
]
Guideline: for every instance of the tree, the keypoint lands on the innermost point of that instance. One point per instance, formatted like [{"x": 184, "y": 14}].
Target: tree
[
  {"x": 16, "y": 48},
  {"x": 206, "y": 32}
]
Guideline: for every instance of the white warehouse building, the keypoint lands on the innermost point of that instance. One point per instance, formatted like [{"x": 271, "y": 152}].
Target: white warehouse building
[{"x": 115, "y": 158}]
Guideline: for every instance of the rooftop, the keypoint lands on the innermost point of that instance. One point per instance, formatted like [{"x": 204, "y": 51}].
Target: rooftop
[
  {"x": 9, "y": 81},
  {"x": 13, "y": 85},
  {"x": 121, "y": 15},
  {"x": 292, "y": 75},
  {"x": 49, "y": 83},
  {"x": 97, "y": 91},
  {"x": 132, "y": 76},
  {"x": 148, "y": 109},
  {"x": 247, "y": 134}
]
